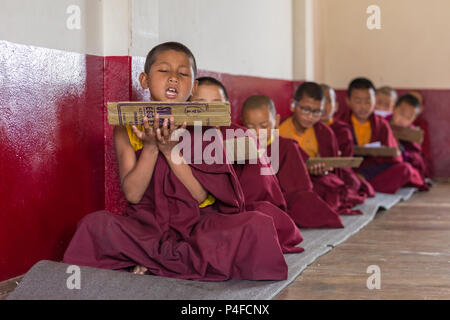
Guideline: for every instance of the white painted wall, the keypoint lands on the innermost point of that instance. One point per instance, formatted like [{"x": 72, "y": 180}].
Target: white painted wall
[
  {"x": 250, "y": 37},
  {"x": 43, "y": 23},
  {"x": 299, "y": 27},
  {"x": 116, "y": 17}
]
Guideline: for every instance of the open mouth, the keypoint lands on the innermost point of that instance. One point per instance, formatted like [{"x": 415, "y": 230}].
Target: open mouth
[{"x": 171, "y": 93}]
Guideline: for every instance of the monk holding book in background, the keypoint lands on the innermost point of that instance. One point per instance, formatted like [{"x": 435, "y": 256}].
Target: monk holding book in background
[
  {"x": 405, "y": 112},
  {"x": 345, "y": 142},
  {"x": 317, "y": 139},
  {"x": 422, "y": 123},
  {"x": 305, "y": 206},
  {"x": 385, "y": 173}
]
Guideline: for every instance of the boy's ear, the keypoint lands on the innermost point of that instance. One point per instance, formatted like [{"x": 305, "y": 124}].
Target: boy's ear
[
  {"x": 143, "y": 80},
  {"x": 277, "y": 121},
  {"x": 194, "y": 87},
  {"x": 292, "y": 105}
]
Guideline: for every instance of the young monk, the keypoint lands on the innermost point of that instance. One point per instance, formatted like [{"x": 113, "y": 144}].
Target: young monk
[
  {"x": 406, "y": 110},
  {"x": 318, "y": 140},
  {"x": 184, "y": 220},
  {"x": 345, "y": 142},
  {"x": 305, "y": 207},
  {"x": 256, "y": 187},
  {"x": 385, "y": 174},
  {"x": 385, "y": 99},
  {"x": 422, "y": 123},
  {"x": 261, "y": 192}
]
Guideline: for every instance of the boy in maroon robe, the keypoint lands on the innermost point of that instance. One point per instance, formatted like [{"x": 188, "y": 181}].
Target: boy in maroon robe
[
  {"x": 305, "y": 207},
  {"x": 385, "y": 98},
  {"x": 185, "y": 219},
  {"x": 422, "y": 123},
  {"x": 385, "y": 174},
  {"x": 405, "y": 111},
  {"x": 261, "y": 192},
  {"x": 256, "y": 187},
  {"x": 318, "y": 140},
  {"x": 345, "y": 142}
]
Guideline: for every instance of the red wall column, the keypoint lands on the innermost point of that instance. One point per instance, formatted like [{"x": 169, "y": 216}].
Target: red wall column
[{"x": 51, "y": 149}]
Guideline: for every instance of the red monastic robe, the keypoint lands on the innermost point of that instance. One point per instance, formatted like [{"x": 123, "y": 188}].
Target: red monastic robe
[
  {"x": 331, "y": 187},
  {"x": 263, "y": 193},
  {"x": 305, "y": 207},
  {"x": 412, "y": 153},
  {"x": 385, "y": 174},
  {"x": 425, "y": 147},
  {"x": 345, "y": 142},
  {"x": 169, "y": 233}
]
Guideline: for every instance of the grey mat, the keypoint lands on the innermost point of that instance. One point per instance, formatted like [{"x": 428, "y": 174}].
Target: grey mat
[{"x": 47, "y": 279}]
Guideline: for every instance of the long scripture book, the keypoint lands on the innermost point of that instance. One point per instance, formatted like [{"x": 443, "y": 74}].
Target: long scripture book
[{"x": 132, "y": 113}]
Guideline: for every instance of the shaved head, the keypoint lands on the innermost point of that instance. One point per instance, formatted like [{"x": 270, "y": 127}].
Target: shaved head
[
  {"x": 259, "y": 102},
  {"x": 259, "y": 113},
  {"x": 389, "y": 91}
]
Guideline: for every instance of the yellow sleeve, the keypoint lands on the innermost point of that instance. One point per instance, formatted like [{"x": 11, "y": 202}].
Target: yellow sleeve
[
  {"x": 210, "y": 200},
  {"x": 136, "y": 143}
]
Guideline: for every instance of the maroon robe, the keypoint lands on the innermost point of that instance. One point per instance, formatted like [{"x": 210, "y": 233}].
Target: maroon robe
[
  {"x": 305, "y": 207},
  {"x": 343, "y": 135},
  {"x": 263, "y": 193},
  {"x": 256, "y": 187},
  {"x": 331, "y": 187},
  {"x": 412, "y": 153},
  {"x": 170, "y": 235},
  {"x": 425, "y": 147},
  {"x": 345, "y": 142},
  {"x": 386, "y": 174}
]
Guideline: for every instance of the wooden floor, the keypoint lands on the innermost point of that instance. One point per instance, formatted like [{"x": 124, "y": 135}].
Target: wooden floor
[
  {"x": 411, "y": 245},
  {"x": 6, "y": 287}
]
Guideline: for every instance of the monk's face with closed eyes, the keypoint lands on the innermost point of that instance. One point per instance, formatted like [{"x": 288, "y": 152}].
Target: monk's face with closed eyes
[
  {"x": 171, "y": 77},
  {"x": 362, "y": 103},
  {"x": 260, "y": 120}
]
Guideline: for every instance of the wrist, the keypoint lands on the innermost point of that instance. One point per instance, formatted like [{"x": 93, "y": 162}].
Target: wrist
[
  {"x": 167, "y": 152},
  {"x": 150, "y": 148},
  {"x": 173, "y": 157}
]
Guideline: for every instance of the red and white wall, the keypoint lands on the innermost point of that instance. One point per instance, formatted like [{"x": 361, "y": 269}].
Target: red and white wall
[{"x": 58, "y": 69}]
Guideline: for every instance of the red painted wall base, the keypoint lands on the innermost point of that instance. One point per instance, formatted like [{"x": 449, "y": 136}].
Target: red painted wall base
[{"x": 51, "y": 149}]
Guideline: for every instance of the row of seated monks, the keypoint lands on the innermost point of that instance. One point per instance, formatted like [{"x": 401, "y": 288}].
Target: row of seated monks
[{"x": 216, "y": 221}]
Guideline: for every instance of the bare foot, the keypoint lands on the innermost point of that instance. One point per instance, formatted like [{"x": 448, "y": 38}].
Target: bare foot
[{"x": 139, "y": 269}]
